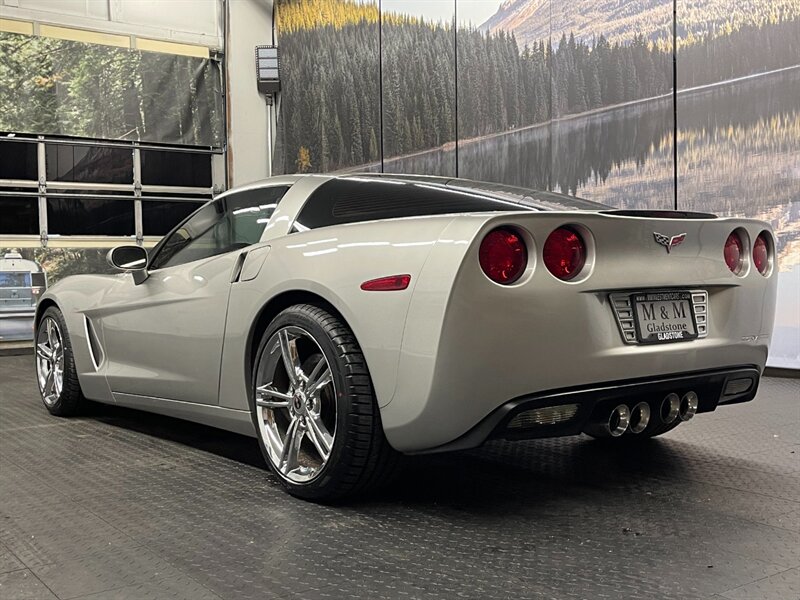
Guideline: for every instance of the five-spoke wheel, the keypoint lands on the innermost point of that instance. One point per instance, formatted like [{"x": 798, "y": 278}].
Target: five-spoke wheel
[
  {"x": 50, "y": 360},
  {"x": 55, "y": 365},
  {"x": 314, "y": 409},
  {"x": 296, "y": 404}
]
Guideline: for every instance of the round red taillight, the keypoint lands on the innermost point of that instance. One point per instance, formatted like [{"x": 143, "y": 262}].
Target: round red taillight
[
  {"x": 564, "y": 253},
  {"x": 761, "y": 254},
  {"x": 734, "y": 253},
  {"x": 503, "y": 256}
]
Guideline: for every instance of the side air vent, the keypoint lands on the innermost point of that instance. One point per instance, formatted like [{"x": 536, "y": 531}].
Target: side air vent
[{"x": 95, "y": 349}]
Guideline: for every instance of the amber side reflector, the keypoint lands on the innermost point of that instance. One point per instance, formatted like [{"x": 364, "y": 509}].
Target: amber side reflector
[{"x": 392, "y": 283}]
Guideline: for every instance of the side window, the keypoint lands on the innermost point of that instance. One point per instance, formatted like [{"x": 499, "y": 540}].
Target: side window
[{"x": 230, "y": 223}]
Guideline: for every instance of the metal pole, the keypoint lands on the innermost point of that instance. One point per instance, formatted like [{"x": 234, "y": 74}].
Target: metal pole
[{"x": 270, "y": 103}]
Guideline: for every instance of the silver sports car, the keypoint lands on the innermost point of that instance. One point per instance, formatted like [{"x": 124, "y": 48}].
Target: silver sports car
[{"x": 346, "y": 320}]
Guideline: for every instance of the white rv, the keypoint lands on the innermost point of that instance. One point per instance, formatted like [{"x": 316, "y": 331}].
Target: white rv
[{"x": 22, "y": 283}]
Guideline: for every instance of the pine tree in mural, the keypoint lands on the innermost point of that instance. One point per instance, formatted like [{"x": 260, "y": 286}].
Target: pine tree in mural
[{"x": 330, "y": 58}]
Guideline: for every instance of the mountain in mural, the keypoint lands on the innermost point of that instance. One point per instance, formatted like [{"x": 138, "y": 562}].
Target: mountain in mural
[{"x": 531, "y": 20}]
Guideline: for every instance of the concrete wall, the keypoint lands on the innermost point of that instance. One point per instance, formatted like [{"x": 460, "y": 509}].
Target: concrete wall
[{"x": 250, "y": 119}]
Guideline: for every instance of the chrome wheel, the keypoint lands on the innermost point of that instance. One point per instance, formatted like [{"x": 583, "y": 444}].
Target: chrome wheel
[
  {"x": 295, "y": 401},
  {"x": 50, "y": 360}
]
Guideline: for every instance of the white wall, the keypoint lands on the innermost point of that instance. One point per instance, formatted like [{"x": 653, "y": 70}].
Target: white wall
[
  {"x": 249, "y": 25},
  {"x": 187, "y": 21}
]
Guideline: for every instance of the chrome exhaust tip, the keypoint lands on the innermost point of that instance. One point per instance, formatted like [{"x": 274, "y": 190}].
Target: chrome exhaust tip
[
  {"x": 618, "y": 420},
  {"x": 688, "y": 406},
  {"x": 670, "y": 407},
  {"x": 614, "y": 425},
  {"x": 640, "y": 417}
]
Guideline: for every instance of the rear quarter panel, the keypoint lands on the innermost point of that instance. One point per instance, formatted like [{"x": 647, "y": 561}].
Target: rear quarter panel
[{"x": 332, "y": 263}]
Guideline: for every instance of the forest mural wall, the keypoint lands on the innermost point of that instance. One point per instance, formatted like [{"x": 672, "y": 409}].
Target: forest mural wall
[{"x": 575, "y": 97}]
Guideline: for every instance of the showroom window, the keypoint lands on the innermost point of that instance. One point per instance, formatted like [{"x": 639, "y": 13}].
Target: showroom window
[
  {"x": 20, "y": 215},
  {"x": 92, "y": 216},
  {"x": 77, "y": 188},
  {"x": 162, "y": 167},
  {"x": 18, "y": 160},
  {"x": 89, "y": 164}
]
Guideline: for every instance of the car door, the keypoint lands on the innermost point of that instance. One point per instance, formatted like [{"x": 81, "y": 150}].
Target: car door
[{"x": 163, "y": 338}]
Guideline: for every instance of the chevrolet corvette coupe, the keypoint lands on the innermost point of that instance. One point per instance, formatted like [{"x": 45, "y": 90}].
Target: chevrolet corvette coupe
[{"x": 346, "y": 320}]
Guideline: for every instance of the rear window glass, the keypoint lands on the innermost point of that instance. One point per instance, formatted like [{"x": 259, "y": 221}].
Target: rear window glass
[
  {"x": 351, "y": 200},
  {"x": 15, "y": 279}
]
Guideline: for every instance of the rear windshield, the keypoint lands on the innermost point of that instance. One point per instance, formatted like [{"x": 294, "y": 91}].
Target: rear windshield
[
  {"x": 15, "y": 279},
  {"x": 351, "y": 200}
]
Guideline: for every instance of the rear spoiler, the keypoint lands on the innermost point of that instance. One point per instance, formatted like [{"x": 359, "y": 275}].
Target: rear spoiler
[{"x": 659, "y": 214}]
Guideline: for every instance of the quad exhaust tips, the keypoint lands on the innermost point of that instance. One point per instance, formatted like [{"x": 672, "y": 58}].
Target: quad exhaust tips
[
  {"x": 614, "y": 425},
  {"x": 622, "y": 418}
]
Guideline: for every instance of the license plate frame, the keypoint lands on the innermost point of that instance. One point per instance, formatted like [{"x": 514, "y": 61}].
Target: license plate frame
[{"x": 666, "y": 300}]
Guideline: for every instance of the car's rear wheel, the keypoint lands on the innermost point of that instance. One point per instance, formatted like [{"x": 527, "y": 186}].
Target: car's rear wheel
[
  {"x": 315, "y": 411},
  {"x": 55, "y": 366}
]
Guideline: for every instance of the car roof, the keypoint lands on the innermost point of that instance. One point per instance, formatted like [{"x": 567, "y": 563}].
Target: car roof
[
  {"x": 532, "y": 199},
  {"x": 536, "y": 199}
]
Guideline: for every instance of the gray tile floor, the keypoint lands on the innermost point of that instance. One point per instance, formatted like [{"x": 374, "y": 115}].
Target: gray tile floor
[{"x": 120, "y": 504}]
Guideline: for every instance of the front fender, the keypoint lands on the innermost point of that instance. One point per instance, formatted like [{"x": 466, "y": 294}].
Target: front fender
[{"x": 78, "y": 297}]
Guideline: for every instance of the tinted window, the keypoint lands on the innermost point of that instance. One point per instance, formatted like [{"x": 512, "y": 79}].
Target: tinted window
[
  {"x": 162, "y": 167},
  {"x": 19, "y": 216},
  {"x": 89, "y": 164},
  {"x": 230, "y": 223},
  {"x": 76, "y": 216},
  {"x": 15, "y": 279},
  {"x": 159, "y": 218},
  {"x": 18, "y": 160},
  {"x": 350, "y": 200}
]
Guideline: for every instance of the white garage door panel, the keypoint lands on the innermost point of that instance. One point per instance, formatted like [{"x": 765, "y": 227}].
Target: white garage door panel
[
  {"x": 97, "y": 9},
  {"x": 200, "y": 17}
]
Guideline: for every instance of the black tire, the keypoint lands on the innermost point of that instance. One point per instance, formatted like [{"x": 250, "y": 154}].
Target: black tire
[
  {"x": 70, "y": 401},
  {"x": 361, "y": 459}
]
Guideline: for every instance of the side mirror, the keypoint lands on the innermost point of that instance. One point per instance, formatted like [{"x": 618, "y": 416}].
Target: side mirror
[{"x": 131, "y": 259}]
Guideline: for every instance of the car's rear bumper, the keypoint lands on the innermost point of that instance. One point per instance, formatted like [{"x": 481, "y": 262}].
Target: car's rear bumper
[
  {"x": 16, "y": 326},
  {"x": 713, "y": 388}
]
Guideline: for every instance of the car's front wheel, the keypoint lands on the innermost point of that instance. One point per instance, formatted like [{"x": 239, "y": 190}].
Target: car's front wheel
[
  {"x": 55, "y": 366},
  {"x": 315, "y": 411}
]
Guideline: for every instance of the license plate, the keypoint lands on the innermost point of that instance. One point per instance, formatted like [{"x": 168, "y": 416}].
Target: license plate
[{"x": 663, "y": 317}]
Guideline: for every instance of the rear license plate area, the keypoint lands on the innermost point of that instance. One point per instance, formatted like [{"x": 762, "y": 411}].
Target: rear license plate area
[{"x": 664, "y": 317}]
